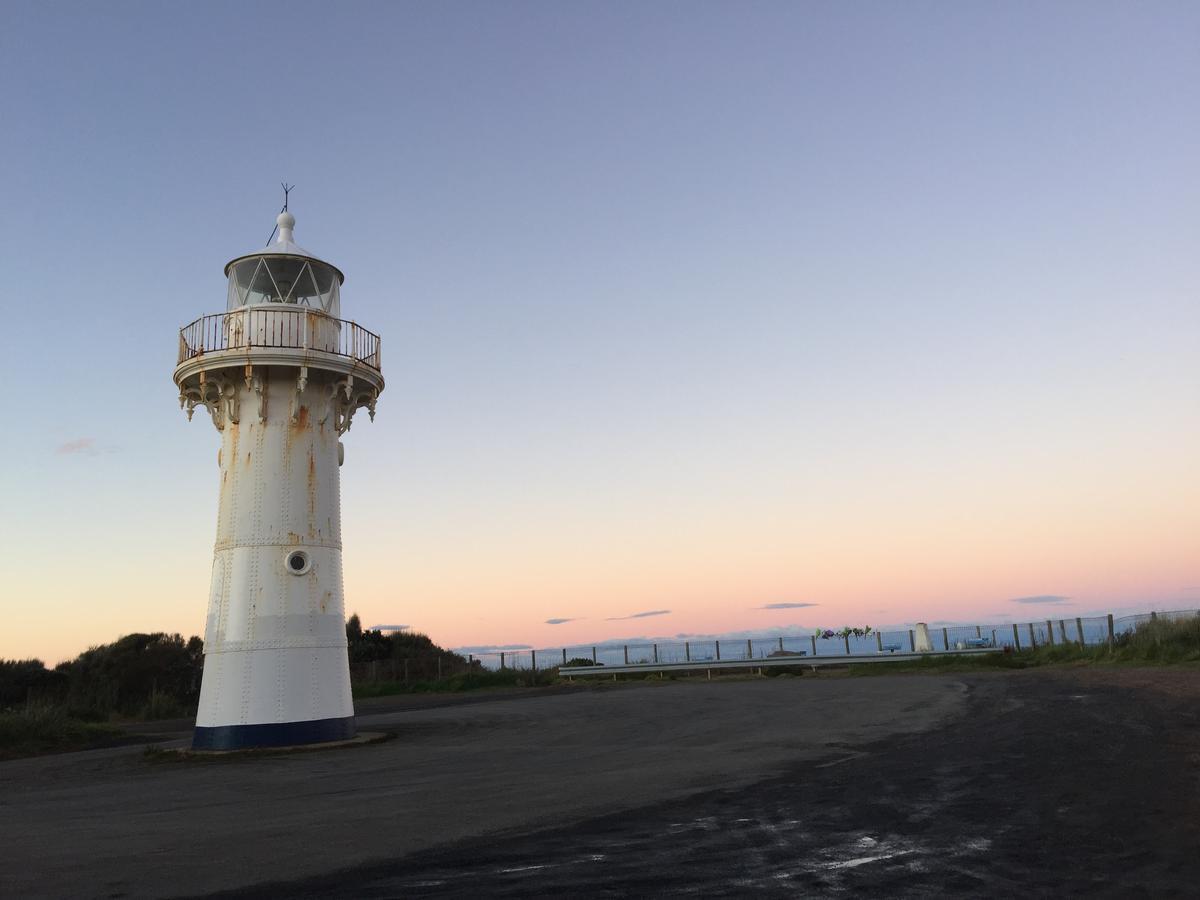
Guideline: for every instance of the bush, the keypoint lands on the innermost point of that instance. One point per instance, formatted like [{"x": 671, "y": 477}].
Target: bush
[
  {"x": 135, "y": 672},
  {"x": 578, "y": 661}
]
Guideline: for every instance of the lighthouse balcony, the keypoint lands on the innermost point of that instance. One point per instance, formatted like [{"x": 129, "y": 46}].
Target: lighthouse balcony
[{"x": 277, "y": 334}]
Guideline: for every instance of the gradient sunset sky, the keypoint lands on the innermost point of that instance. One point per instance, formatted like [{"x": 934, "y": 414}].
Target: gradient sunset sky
[{"x": 890, "y": 308}]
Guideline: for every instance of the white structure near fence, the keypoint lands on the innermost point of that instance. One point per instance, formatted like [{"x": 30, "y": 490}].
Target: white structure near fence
[{"x": 281, "y": 376}]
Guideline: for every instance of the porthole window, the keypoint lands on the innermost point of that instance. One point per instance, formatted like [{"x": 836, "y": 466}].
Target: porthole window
[{"x": 297, "y": 562}]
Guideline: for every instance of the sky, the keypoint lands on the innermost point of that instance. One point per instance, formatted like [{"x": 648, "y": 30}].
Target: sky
[{"x": 749, "y": 315}]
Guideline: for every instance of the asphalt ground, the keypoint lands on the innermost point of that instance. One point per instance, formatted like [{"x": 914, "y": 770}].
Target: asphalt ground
[{"x": 1039, "y": 782}]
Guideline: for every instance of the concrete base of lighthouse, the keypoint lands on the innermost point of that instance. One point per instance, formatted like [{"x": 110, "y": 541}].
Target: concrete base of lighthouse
[{"x": 274, "y": 698}]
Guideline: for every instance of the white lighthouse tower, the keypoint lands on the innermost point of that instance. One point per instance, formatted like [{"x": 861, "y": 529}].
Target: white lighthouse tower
[{"x": 281, "y": 374}]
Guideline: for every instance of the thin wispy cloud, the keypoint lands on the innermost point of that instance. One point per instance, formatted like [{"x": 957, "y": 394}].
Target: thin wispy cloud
[
  {"x": 641, "y": 615},
  {"x": 85, "y": 445},
  {"x": 387, "y": 628},
  {"x": 784, "y": 606},
  {"x": 560, "y": 621},
  {"x": 1041, "y": 598}
]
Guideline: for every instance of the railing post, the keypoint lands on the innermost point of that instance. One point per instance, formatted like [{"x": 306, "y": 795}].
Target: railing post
[
  {"x": 945, "y": 638},
  {"x": 593, "y": 656},
  {"x": 879, "y": 641},
  {"x": 978, "y": 633},
  {"x": 626, "y": 654},
  {"x": 814, "y": 643},
  {"x": 718, "y": 646},
  {"x": 1016, "y": 637},
  {"x": 1032, "y": 638},
  {"x": 656, "y": 654},
  {"x": 780, "y": 644},
  {"x": 912, "y": 642},
  {"x": 564, "y": 656},
  {"x": 1050, "y": 632},
  {"x": 1111, "y": 637},
  {"x": 847, "y": 639},
  {"x": 1079, "y": 629},
  {"x": 687, "y": 651},
  {"x": 502, "y": 659},
  {"x": 749, "y": 649}
]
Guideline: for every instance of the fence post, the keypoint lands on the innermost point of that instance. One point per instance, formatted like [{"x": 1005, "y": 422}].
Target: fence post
[
  {"x": 945, "y": 638},
  {"x": 978, "y": 633},
  {"x": 687, "y": 651},
  {"x": 1032, "y": 638},
  {"x": 1153, "y": 615},
  {"x": 470, "y": 660},
  {"x": 533, "y": 659},
  {"x": 1016, "y": 637},
  {"x": 501, "y": 662},
  {"x": 718, "y": 646},
  {"x": 912, "y": 642},
  {"x": 593, "y": 656},
  {"x": 814, "y": 643},
  {"x": 626, "y": 654},
  {"x": 1111, "y": 636},
  {"x": 656, "y": 653},
  {"x": 879, "y": 641},
  {"x": 781, "y": 645},
  {"x": 1062, "y": 630},
  {"x": 1079, "y": 629},
  {"x": 846, "y": 637},
  {"x": 749, "y": 649},
  {"x": 1050, "y": 632},
  {"x": 564, "y": 656}
]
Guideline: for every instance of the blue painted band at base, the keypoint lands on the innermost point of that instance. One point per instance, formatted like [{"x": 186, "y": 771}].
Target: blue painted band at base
[{"x": 274, "y": 734}]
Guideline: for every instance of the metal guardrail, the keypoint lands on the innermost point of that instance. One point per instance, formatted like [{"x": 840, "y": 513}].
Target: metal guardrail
[
  {"x": 768, "y": 662},
  {"x": 282, "y": 327},
  {"x": 887, "y": 644}
]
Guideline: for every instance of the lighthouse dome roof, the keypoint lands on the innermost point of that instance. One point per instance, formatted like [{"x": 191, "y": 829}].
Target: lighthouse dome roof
[{"x": 285, "y": 245}]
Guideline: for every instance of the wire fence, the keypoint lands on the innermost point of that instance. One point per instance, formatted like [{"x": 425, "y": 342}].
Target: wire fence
[{"x": 1086, "y": 630}]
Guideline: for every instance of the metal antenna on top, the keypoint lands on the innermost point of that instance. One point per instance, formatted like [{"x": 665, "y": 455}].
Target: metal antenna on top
[{"x": 287, "y": 189}]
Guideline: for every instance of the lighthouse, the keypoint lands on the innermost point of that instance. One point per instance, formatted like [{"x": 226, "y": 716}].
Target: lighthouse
[{"x": 281, "y": 374}]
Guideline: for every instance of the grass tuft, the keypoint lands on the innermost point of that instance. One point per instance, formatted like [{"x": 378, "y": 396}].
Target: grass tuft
[{"x": 46, "y": 729}]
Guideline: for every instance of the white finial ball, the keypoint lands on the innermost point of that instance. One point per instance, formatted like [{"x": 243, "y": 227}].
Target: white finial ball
[{"x": 286, "y": 220}]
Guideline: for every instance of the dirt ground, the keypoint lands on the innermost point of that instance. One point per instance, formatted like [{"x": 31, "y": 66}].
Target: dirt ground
[{"x": 1045, "y": 782}]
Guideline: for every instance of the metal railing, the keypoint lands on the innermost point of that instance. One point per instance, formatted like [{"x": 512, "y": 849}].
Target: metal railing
[
  {"x": 639, "y": 655},
  {"x": 279, "y": 326}
]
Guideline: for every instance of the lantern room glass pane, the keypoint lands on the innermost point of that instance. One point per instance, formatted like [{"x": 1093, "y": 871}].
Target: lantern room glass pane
[
  {"x": 327, "y": 288},
  {"x": 250, "y": 284}
]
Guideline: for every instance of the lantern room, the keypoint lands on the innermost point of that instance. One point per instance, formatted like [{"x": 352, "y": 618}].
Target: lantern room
[{"x": 284, "y": 272}]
